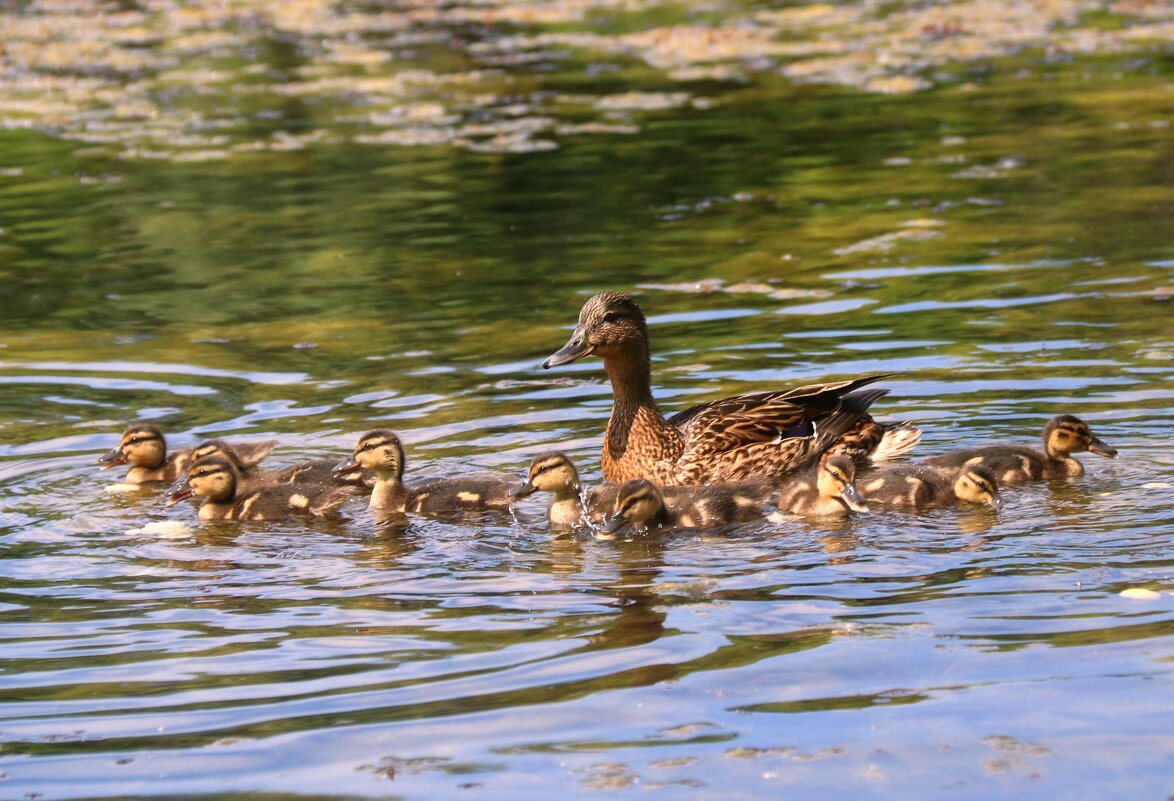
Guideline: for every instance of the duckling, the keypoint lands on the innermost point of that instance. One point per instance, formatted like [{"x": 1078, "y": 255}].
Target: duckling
[
  {"x": 554, "y": 472},
  {"x": 1011, "y": 464},
  {"x": 642, "y": 504},
  {"x": 824, "y": 490},
  {"x": 215, "y": 478},
  {"x": 313, "y": 471},
  {"x": 145, "y": 449},
  {"x": 922, "y": 486},
  {"x": 381, "y": 451},
  {"x": 764, "y": 434}
]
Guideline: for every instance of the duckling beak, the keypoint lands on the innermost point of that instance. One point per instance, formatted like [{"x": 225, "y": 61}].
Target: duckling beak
[
  {"x": 612, "y": 525},
  {"x": 1101, "y": 449},
  {"x": 575, "y": 349},
  {"x": 112, "y": 458},
  {"x": 347, "y": 467},
  {"x": 852, "y": 499},
  {"x": 180, "y": 490},
  {"x": 522, "y": 490},
  {"x": 996, "y": 502}
]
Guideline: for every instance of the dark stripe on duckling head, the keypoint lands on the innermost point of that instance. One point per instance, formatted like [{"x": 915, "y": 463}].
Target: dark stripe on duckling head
[
  {"x": 141, "y": 432},
  {"x": 377, "y": 438}
]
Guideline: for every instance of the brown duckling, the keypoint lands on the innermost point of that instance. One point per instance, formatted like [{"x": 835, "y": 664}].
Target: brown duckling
[
  {"x": 313, "y": 471},
  {"x": 643, "y": 505},
  {"x": 215, "y": 478},
  {"x": 763, "y": 434},
  {"x": 381, "y": 451},
  {"x": 921, "y": 486},
  {"x": 1063, "y": 436},
  {"x": 144, "y": 448},
  {"x": 554, "y": 472},
  {"x": 824, "y": 490}
]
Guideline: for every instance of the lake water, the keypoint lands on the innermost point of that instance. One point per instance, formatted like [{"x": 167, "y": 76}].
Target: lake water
[{"x": 301, "y": 221}]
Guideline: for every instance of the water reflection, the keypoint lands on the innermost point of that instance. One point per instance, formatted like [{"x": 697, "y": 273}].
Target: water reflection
[{"x": 311, "y": 297}]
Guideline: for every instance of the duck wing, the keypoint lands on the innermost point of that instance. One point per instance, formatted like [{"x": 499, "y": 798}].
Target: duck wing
[
  {"x": 250, "y": 453},
  {"x": 725, "y": 457},
  {"x": 729, "y": 423}
]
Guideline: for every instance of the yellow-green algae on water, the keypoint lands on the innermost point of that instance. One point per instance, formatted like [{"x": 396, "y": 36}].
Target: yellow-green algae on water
[{"x": 192, "y": 81}]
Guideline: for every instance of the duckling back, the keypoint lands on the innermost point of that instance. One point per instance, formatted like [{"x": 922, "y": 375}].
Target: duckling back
[
  {"x": 458, "y": 495},
  {"x": 719, "y": 503},
  {"x": 921, "y": 486},
  {"x": 1062, "y": 436},
  {"x": 907, "y": 485},
  {"x": 278, "y": 502}
]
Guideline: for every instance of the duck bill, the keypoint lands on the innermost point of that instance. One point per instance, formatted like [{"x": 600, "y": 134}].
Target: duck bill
[
  {"x": 852, "y": 499},
  {"x": 522, "y": 490},
  {"x": 112, "y": 458},
  {"x": 1101, "y": 449},
  {"x": 613, "y": 524},
  {"x": 995, "y": 502},
  {"x": 180, "y": 491},
  {"x": 575, "y": 349},
  {"x": 346, "y": 468}
]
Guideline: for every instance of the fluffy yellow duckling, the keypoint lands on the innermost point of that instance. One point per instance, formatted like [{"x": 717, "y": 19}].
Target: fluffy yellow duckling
[
  {"x": 144, "y": 448},
  {"x": 824, "y": 490},
  {"x": 920, "y": 486},
  {"x": 642, "y": 504},
  {"x": 215, "y": 479},
  {"x": 554, "y": 472},
  {"x": 1063, "y": 436},
  {"x": 382, "y": 452}
]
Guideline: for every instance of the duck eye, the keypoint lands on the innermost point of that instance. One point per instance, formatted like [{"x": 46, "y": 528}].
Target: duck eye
[{"x": 610, "y": 317}]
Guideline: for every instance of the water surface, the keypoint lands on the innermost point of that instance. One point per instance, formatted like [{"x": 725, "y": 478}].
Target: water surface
[{"x": 994, "y": 230}]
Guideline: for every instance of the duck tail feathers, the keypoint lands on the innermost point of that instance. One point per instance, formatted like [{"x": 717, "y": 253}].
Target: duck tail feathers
[
  {"x": 899, "y": 439},
  {"x": 839, "y": 422}
]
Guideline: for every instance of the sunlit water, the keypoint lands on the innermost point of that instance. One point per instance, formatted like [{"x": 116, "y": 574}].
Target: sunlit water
[{"x": 1005, "y": 252}]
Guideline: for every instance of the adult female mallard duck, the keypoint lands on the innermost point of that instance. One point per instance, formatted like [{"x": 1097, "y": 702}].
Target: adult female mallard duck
[
  {"x": 768, "y": 433},
  {"x": 826, "y": 489},
  {"x": 215, "y": 479},
  {"x": 921, "y": 486},
  {"x": 642, "y": 504},
  {"x": 144, "y": 448},
  {"x": 1063, "y": 436},
  {"x": 382, "y": 452}
]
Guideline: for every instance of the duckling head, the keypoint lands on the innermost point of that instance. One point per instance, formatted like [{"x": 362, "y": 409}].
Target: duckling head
[
  {"x": 975, "y": 484},
  {"x": 549, "y": 472},
  {"x": 213, "y": 477},
  {"x": 1067, "y": 434},
  {"x": 610, "y": 323},
  {"x": 217, "y": 447},
  {"x": 835, "y": 480},
  {"x": 141, "y": 445},
  {"x": 378, "y": 450},
  {"x": 638, "y": 503}
]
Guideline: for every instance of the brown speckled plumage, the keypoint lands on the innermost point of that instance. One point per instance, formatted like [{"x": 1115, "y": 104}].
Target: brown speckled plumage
[{"x": 770, "y": 433}]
